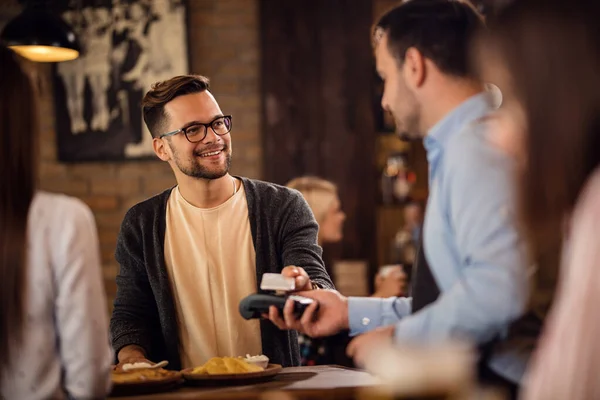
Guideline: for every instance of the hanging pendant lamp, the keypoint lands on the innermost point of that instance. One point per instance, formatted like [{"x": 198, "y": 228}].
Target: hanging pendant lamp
[{"x": 41, "y": 35}]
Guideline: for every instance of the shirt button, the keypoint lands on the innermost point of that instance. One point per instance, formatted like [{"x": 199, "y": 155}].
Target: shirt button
[{"x": 366, "y": 321}]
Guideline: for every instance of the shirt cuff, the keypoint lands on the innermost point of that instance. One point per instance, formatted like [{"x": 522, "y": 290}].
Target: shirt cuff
[
  {"x": 368, "y": 313},
  {"x": 364, "y": 314}
]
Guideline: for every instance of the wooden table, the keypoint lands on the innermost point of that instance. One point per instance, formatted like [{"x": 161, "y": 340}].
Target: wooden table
[{"x": 322, "y": 382}]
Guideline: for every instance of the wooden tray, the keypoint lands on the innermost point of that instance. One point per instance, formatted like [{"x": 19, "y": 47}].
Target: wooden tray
[
  {"x": 231, "y": 379},
  {"x": 167, "y": 383}
]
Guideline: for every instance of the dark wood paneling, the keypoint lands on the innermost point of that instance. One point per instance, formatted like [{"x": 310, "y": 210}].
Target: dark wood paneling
[{"x": 317, "y": 69}]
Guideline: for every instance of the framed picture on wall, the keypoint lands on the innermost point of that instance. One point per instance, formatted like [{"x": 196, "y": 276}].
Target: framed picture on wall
[{"x": 127, "y": 45}]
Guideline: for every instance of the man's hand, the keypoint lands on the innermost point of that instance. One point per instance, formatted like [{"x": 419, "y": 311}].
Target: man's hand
[
  {"x": 302, "y": 282},
  {"x": 299, "y": 275},
  {"x": 131, "y": 354},
  {"x": 362, "y": 346},
  {"x": 331, "y": 317}
]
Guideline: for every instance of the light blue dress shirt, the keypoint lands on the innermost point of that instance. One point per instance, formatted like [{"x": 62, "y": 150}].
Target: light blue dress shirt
[{"x": 471, "y": 244}]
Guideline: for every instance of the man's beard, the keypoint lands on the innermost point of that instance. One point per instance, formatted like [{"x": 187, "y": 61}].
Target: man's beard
[
  {"x": 195, "y": 169},
  {"x": 408, "y": 130}
]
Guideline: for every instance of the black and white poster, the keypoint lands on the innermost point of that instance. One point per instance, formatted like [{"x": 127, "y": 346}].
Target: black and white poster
[{"x": 126, "y": 47}]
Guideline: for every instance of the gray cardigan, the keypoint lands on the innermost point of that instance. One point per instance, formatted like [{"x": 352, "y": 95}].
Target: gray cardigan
[{"x": 284, "y": 232}]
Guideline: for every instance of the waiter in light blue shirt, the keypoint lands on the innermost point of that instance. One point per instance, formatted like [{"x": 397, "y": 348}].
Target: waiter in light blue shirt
[{"x": 474, "y": 255}]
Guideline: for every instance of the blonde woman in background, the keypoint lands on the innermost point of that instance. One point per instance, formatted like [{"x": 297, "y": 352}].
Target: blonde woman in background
[{"x": 322, "y": 197}]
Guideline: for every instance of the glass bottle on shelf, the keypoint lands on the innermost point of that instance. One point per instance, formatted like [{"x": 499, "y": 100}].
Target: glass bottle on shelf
[{"x": 397, "y": 179}]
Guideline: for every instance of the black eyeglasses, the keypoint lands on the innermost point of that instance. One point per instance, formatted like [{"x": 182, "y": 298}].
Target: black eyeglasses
[{"x": 197, "y": 131}]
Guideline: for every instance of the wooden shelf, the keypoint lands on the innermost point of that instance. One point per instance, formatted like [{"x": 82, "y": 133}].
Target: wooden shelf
[
  {"x": 389, "y": 220},
  {"x": 390, "y": 217},
  {"x": 387, "y": 144}
]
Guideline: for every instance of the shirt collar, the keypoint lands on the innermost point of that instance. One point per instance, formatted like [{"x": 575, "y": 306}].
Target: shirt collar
[{"x": 469, "y": 110}]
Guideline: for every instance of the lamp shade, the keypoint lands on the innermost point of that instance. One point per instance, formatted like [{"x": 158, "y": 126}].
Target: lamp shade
[{"x": 42, "y": 36}]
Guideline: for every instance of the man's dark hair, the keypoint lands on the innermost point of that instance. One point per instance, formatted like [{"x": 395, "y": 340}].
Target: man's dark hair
[
  {"x": 440, "y": 29},
  {"x": 153, "y": 103}
]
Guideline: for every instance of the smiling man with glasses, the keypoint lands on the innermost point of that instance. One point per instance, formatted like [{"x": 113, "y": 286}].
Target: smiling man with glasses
[{"x": 190, "y": 254}]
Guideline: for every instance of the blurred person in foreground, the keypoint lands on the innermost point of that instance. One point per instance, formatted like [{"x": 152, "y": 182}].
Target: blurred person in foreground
[
  {"x": 323, "y": 198},
  {"x": 545, "y": 56},
  {"x": 190, "y": 254},
  {"x": 53, "y": 323},
  {"x": 471, "y": 280}
]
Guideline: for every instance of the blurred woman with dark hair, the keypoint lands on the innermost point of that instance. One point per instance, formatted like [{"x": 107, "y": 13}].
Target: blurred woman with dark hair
[
  {"x": 53, "y": 320},
  {"x": 545, "y": 56}
]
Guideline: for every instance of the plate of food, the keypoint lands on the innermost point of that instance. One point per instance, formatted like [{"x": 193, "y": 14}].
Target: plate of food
[
  {"x": 232, "y": 371},
  {"x": 144, "y": 380}
]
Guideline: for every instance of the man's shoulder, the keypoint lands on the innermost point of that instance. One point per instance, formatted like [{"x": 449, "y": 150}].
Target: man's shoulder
[
  {"x": 269, "y": 190},
  {"x": 150, "y": 207},
  {"x": 473, "y": 162},
  {"x": 473, "y": 147}
]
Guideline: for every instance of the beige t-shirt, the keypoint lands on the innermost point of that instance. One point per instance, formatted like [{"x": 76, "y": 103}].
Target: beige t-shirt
[{"x": 211, "y": 263}]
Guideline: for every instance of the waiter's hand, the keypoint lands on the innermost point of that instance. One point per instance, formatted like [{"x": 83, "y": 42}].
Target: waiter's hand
[
  {"x": 362, "y": 346},
  {"x": 331, "y": 318}
]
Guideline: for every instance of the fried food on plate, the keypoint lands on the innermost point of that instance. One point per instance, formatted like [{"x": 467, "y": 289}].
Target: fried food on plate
[
  {"x": 141, "y": 375},
  {"x": 226, "y": 365}
]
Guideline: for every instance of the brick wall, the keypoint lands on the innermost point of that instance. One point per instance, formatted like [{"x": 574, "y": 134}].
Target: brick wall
[
  {"x": 223, "y": 41},
  {"x": 224, "y": 45}
]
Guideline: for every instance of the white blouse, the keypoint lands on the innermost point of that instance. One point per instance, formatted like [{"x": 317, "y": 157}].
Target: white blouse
[{"x": 65, "y": 348}]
